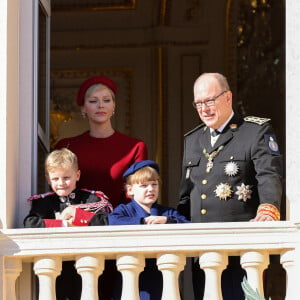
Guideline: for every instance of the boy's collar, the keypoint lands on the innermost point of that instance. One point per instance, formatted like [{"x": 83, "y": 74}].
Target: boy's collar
[{"x": 72, "y": 196}]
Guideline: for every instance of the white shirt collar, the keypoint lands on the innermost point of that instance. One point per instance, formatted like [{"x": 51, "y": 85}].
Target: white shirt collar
[{"x": 221, "y": 128}]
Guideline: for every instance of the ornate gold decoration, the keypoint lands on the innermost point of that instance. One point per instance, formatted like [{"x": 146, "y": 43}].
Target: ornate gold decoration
[
  {"x": 210, "y": 157},
  {"x": 223, "y": 191},
  {"x": 255, "y": 45}
]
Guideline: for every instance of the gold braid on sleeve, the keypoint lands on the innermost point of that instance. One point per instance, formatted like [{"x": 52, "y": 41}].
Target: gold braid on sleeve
[{"x": 270, "y": 210}]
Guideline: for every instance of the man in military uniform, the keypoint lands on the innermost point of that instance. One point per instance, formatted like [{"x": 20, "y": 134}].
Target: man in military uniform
[{"x": 231, "y": 169}]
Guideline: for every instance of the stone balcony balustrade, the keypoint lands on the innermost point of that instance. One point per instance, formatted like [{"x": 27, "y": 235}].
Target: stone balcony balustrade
[{"x": 44, "y": 250}]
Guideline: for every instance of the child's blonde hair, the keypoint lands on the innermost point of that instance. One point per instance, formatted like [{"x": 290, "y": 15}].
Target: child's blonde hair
[
  {"x": 63, "y": 159},
  {"x": 142, "y": 175}
]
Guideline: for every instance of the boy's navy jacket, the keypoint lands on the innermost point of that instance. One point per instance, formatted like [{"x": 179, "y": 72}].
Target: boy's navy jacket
[{"x": 132, "y": 213}]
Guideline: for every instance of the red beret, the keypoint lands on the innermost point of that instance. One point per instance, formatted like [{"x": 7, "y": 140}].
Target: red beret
[{"x": 91, "y": 81}]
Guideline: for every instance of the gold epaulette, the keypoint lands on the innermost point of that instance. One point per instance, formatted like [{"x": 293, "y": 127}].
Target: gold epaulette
[
  {"x": 191, "y": 131},
  {"x": 256, "y": 120}
]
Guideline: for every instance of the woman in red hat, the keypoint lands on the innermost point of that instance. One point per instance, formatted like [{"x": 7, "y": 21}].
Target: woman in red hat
[{"x": 104, "y": 153}]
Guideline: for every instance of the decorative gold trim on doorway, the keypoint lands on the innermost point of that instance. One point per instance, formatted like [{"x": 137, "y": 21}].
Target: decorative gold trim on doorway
[
  {"x": 93, "y": 5},
  {"x": 230, "y": 43},
  {"x": 163, "y": 10},
  {"x": 159, "y": 128},
  {"x": 161, "y": 144}
]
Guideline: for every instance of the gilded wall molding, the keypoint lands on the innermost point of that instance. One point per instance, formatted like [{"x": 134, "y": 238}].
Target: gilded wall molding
[
  {"x": 162, "y": 102},
  {"x": 192, "y": 9},
  {"x": 134, "y": 45},
  {"x": 164, "y": 13},
  {"x": 230, "y": 43},
  {"x": 92, "y": 5}
]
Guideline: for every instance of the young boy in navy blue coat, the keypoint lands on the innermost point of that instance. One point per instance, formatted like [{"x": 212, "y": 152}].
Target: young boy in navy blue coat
[{"x": 142, "y": 184}]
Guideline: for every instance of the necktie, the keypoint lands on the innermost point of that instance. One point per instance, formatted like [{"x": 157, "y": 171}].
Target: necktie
[
  {"x": 214, "y": 133},
  {"x": 214, "y": 136}
]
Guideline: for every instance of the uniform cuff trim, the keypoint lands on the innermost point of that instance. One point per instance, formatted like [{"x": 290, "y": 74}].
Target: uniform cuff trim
[{"x": 270, "y": 210}]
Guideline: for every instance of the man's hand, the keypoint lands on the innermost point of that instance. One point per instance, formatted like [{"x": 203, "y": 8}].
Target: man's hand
[{"x": 262, "y": 218}]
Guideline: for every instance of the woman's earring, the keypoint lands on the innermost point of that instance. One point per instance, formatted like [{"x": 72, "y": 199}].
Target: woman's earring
[{"x": 83, "y": 114}]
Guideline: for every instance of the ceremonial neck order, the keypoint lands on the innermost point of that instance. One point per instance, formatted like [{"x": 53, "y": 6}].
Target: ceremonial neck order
[{"x": 210, "y": 157}]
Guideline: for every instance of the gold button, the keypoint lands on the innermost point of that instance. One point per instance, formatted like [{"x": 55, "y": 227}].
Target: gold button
[
  {"x": 203, "y": 196},
  {"x": 204, "y": 181},
  {"x": 203, "y": 211}
]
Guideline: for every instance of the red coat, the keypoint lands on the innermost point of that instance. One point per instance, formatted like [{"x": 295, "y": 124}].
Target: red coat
[{"x": 103, "y": 161}]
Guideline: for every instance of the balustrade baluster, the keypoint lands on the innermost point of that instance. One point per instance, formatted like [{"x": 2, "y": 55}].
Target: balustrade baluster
[
  {"x": 170, "y": 265},
  {"x": 213, "y": 263},
  {"x": 47, "y": 269},
  {"x": 130, "y": 266},
  {"x": 254, "y": 263},
  {"x": 89, "y": 268},
  {"x": 287, "y": 259},
  {"x": 13, "y": 268}
]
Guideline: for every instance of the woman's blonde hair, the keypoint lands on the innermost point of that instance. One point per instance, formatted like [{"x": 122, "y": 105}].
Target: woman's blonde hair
[
  {"x": 96, "y": 87},
  {"x": 63, "y": 158}
]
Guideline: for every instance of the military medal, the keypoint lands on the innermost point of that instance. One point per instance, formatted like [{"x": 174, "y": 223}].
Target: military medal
[
  {"x": 223, "y": 191},
  {"x": 210, "y": 157},
  {"x": 209, "y": 165},
  {"x": 244, "y": 192},
  {"x": 231, "y": 168}
]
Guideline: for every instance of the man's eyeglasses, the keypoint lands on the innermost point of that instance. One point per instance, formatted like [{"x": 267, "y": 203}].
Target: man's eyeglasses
[{"x": 209, "y": 102}]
